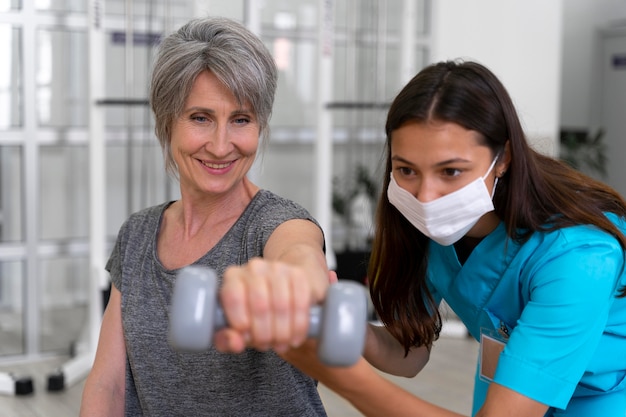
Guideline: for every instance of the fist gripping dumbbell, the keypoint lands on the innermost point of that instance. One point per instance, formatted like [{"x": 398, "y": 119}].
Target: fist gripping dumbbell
[{"x": 339, "y": 324}]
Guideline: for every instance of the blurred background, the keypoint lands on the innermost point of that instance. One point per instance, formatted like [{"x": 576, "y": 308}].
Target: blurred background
[{"x": 78, "y": 153}]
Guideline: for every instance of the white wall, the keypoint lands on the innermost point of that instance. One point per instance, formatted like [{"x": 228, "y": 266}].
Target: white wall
[
  {"x": 610, "y": 110},
  {"x": 582, "y": 21},
  {"x": 521, "y": 43}
]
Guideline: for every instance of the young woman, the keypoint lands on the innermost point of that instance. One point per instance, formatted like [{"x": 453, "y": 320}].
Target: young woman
[{"x": 528, "y": 252}]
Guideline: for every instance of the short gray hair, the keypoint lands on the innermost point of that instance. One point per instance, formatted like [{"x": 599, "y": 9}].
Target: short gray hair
[{"x": 235, "y": 55}]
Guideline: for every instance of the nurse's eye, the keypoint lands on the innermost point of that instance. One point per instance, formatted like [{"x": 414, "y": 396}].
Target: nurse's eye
[
  {"x": 451, "y": 172},
  {"x": 405, "y": 171}
]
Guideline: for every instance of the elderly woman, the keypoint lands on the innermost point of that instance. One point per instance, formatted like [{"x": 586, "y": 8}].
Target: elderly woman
[{"x": 212, "y": 93}]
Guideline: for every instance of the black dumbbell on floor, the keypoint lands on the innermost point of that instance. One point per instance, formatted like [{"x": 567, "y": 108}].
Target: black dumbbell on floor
[{"x": 339, "y": 324}]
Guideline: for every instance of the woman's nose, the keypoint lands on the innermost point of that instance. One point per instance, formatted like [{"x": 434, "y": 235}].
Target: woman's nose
[
  {"x": 425, "y": 191},
  {"x": 218, "y": 142}
]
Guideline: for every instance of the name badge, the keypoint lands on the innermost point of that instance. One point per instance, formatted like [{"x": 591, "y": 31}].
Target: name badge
[{"x": 492, "y": 344}]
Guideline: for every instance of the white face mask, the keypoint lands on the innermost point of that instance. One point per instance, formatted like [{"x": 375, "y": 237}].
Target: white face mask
[{"x": 445, "y": 219}]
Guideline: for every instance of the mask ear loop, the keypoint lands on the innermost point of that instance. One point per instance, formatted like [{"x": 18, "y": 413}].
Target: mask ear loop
[
  {"x": 495, "y": 183},
  {"x": 493, "y": 190}
]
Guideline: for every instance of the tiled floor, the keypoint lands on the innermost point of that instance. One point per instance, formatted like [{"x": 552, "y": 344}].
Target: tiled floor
[{"x": 446, "y": 380}]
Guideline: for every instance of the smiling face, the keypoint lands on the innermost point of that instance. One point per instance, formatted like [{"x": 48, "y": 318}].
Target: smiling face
[
  {"x": 215, "y": 139},
  {"x": 433, "y": 159}
]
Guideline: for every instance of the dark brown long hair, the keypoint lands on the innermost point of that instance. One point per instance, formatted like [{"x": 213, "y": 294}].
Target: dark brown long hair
[{"x": 535, "y": 189}]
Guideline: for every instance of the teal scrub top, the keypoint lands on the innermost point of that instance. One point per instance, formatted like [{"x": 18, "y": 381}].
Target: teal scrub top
[{"x": 555, "y": 297}]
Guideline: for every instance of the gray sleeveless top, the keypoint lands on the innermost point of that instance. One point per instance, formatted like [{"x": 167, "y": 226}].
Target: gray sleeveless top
[{"x": 163, "y": 382}]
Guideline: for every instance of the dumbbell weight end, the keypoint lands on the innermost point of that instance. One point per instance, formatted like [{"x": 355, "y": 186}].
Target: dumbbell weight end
[{"x": 193, "y": 313}]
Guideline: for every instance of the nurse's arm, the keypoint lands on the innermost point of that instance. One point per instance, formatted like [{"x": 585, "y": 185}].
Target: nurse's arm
[
  {"x": 364, "y": 387},
  {"x": 374, "y": 395},
  {"x": 502, "y": 401},
  {"x": 385, "y": 353}
]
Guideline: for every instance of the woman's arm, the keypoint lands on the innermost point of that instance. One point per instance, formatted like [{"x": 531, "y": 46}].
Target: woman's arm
[
  {"x": 267, "y": 300},
  {"x": 103, "y": 394},
  {"x": 300, "y": 244},
  {"x": 384, "y": 352},
  {"x": 363, "y": 387},
  {"x": 502, "y": 401},
  {"x": 375, "y": 396}
]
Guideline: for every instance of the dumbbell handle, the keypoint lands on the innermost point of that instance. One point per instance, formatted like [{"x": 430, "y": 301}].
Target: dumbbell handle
[
  {"x": 339, "y": 325},
  {"x": 315, "y": 322}
]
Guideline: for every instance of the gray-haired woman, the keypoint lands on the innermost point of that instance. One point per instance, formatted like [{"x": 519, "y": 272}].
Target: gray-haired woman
[{"x": 212, "y": 92}]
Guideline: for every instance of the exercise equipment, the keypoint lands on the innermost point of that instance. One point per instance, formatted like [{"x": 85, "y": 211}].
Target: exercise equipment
[
  {"x": 339, "y": 324},
  {"x": 71, "y": 372},
  {"x": 78, "y": 367},
  {"x": 12, "y": 385}
]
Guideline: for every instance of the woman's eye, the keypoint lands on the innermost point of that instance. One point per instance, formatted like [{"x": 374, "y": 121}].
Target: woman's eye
[
  {"x": 451, "y": 172},
  {"x": 405, "y": 171},
  {"x": 241, "y": 120},
  {"x": 199, "y": 118}
]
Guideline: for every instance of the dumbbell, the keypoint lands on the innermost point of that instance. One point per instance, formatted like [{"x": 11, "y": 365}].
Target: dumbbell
[{"x": 339, "y": 324}]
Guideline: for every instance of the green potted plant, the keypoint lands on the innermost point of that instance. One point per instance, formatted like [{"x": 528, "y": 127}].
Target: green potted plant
[
  {"x": 353, "y": 202},
  {"x": 584, "y": 152}
]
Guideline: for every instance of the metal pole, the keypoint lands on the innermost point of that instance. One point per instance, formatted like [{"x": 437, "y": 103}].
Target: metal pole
[
  {"x": 129, "y": 56},
  {"x": 252, "y": 20},
  {"x": 324, "y": 144},
  {"x": 407, "y": 42},
  {"x": 381, "y": 50},
  {"x": 97, "y": 172},
  {"x": 31, "y": 170},
  {"x": 252, "y": 16}
]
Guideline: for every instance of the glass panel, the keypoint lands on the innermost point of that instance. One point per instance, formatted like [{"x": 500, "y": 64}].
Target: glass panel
[
  {"x": 11, "y": 197},
  {"x": 10, "y": 77},
  {"x": 144, "y": 184},
  {"x": 366, "y": 65},
  {"x": 421, "y": 59},
  {"x": 296, "y": 94},
  {"x": 62, "y": 78},
  {"x": 392, "y": 81},
  {"x": 6, "y": 5},
  {"x": 122, "y": 84},
  {"x": 361, "y": 85},
  {"x": 64, "y": 210},
  {"x": 395, "y": 12},
  {"x": 63, "y": 310},
  {"x": 12, "y": 278},
  {"x": 62, "y": 5},
  {"x": 289, "y": 14},
  {"x": 422, "y": 24},
  {"x": 167, "y": 9}
]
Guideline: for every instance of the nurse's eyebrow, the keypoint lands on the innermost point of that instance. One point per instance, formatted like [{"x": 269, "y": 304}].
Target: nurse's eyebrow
[
  {"x": 453, "y": 161},
  {"x": 400, "y": 159},
  {"x": 440, "y": 163}
]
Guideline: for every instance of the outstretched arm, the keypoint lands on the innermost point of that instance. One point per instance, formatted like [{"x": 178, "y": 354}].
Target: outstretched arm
[{"x": 267, "y": 300}]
